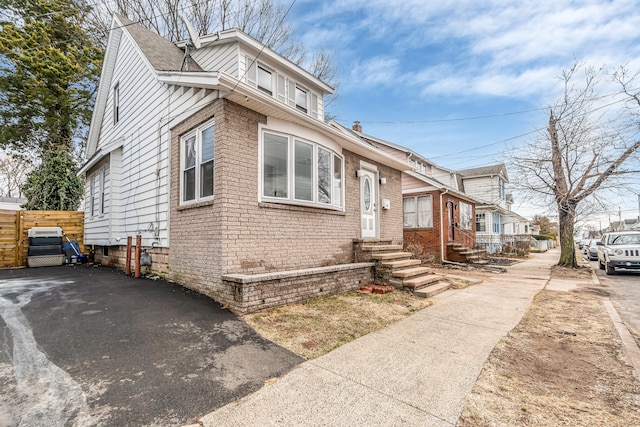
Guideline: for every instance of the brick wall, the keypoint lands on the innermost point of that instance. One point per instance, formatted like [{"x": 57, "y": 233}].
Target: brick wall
[
  {"x": 263, "y": 291},
  {"x": 235, "y": 233},
  {"x": 117, "y": 258},
  {"x": 426, "y": 242}
]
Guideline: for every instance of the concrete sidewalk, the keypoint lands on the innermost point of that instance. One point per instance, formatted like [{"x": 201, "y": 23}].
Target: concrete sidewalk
[{"x": 416, "y": 372}]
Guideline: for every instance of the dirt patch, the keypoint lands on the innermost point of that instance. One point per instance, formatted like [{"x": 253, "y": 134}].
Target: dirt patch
[
  {"x": 558, "y": 272},
  {"x": 561, "y": 366},
  {"x": 318, "y": 326}
]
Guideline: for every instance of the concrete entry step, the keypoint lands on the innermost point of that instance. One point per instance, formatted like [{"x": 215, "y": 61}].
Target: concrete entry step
[
  {"x": 380, "y": 248},
  {"x": 411, "y": 272},
  {"x": 421, "y": 281},
  {"x": 391, "y": 255},
  {"x": 432, "y": 290},
  {"x": 400, "y": 264}
]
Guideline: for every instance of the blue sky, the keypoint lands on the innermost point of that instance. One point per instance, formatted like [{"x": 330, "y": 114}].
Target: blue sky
[{"x": 425, "y": 74}]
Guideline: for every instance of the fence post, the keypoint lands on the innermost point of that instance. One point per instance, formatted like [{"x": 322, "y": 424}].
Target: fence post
[{"x": 19, "y": 238}]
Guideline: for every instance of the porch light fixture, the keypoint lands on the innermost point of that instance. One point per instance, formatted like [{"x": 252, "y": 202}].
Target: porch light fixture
[{"x": 383, "y": 181}]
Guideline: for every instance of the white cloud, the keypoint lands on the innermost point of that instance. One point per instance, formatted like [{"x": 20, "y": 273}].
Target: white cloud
[
  {"x": 374, "y": 72},
  {"x": 496, "y": 48}
]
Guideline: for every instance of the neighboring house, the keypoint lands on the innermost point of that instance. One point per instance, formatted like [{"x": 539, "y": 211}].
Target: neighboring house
[
  {"x": 12, "y": 203},
  {"x": 438, "y": 217},
  {"x": 496, "y": 223},
  {"x": 215, "y": 151},
  {"x": 625, "y": 225}
]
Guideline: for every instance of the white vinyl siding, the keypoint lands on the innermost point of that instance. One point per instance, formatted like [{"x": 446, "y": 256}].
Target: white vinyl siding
[
  {"x": 314, "y": 177},
  {"x": 141, "y": 200},
  {"x": 219, "y": 58},
  {"x": 418, "y": 211}
]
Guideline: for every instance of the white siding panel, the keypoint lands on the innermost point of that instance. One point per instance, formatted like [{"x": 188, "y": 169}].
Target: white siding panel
[
  {"x": 394, "y": 152},
  {"x": 143, "y": 130},
  {"x": 219, "y": 58},
  {"x": 410, "y": 183}
]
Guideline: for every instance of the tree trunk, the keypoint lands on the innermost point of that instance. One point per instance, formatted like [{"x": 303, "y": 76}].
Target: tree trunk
[{"x": 566, "y": 218}]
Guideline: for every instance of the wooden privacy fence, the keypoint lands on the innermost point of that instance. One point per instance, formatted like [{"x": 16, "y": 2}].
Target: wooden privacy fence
[{"x": 15, "y": 225}]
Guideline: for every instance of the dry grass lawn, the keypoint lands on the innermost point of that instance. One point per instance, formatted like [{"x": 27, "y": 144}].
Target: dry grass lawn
[{"x": 318, "y": 326}]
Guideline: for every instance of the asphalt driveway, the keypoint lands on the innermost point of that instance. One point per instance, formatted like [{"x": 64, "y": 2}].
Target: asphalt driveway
[{"x": 88, "y": 346}]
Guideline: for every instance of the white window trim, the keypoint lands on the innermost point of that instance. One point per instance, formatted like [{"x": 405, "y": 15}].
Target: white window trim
[
  {"x": 415, "y": 198},
  {"x": 470, "y": 219},
  {"x": 198, "y": 143},
  {"x": 282, "y": 87},
  {"x": 290, "y": 199},
  {"x": 102, "y": 176},
  {"x": 483, "y": 221}
]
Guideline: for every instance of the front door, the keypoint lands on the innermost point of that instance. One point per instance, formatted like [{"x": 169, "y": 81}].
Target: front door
[
  {"x": 368, "y": 208},
  {"x": 452, "y": 220}
]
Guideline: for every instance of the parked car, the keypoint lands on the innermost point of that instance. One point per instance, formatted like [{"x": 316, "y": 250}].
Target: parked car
[
  {"x": 590, "y": 249},
  {"x": 619, "y": 250}
]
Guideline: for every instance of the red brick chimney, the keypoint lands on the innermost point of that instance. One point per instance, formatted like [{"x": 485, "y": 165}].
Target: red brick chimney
[{"x": 357, "y": 126}]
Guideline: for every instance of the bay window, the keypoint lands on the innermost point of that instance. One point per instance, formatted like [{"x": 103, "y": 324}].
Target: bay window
[
  {"x": 299, "y": 171},
  {"x": 197, "y": 160}
]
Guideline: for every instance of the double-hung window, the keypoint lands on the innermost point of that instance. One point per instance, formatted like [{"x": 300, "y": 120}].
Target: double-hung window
[
  {"x": 497, "y": 228},
  {"x": 116, "y": 103},
  {"x": 465, "y": 216},
  {"x": 501, "y": 193},
  {"x": 92, "y": 194},
  {"x": 265, "y": 82},
  {"x": 301, "y": 99},
  {"x": 197, "y": 156},
  {"x": 481, "y": 224},
  {"x": 418, "y": 211},
  {"x": 299, "y": 171},
  {"x": 102, "y": 190}
]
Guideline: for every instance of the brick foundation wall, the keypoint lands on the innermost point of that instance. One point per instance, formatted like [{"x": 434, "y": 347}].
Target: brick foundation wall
[
  {"x": 118, "y": 257},
  {"x": 263, "y": 291}
]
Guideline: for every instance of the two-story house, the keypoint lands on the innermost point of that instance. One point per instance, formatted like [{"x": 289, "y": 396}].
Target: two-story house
[
  {"x": 496, "y": 223},
  {"x": 216, "y": 152}
]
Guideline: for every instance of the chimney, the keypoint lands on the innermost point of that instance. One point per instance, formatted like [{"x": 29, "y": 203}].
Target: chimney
[{"x": 357, "y": 126}]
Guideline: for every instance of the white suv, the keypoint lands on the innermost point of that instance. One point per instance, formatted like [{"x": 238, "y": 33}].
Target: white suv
[{"x": 619, "y": 250}]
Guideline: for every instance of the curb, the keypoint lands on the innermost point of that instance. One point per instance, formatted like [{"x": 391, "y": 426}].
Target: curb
[{"x": 630, "y": 345}]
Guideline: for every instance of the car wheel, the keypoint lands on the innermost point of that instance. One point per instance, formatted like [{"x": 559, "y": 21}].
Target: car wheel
[
  {"x": 600, "y": 265},
  {"x": 610, "y": 270}
]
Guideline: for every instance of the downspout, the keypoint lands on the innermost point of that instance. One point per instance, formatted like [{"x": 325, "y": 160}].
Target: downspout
[{"x": 442, "y": 251}]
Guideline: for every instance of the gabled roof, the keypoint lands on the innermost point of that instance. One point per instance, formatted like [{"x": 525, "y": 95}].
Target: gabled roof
[
  {"x": 162, "y": 54},
  {"x": 493, "y": 170}
]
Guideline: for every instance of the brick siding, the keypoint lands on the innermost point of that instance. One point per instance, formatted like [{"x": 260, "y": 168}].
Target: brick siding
[
  {"x": 235, "y": 234},
  {"x": 425, "y": 242}
]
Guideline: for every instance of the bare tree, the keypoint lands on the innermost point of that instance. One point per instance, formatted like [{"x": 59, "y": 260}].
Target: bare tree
[
  {"x": 581, "y": 154},
  {"x": 13, "y": 174}
]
